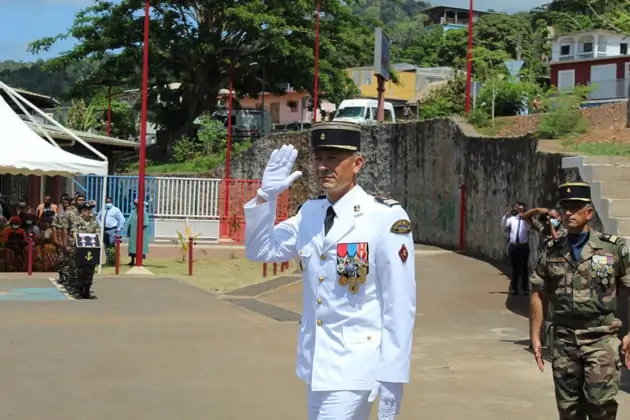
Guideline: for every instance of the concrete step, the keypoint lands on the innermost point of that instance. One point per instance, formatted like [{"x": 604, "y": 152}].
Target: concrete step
[
  {"x": 606, "y": 160},
  {"x": 616, "y": 189},
  {"x": 611, "y": 173},
  {"x": 619, "y": 208}
]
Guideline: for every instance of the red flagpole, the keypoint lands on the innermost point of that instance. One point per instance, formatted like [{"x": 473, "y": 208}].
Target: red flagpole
[
  {"x": 316, "y": 85},
  {"x": 143, "y": 138}
]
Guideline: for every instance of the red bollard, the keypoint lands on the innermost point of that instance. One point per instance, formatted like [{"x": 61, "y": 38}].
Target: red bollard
[
  {"x": 282, "y": 267},
  {"x": 264, "y": 269},
  {"x": 190, "y": 256},
  {"x": 462, "y": 215},
  {"x": 29, "y": 257},
  {"x": 117, "y": 257},
  {"x": 275, "y": 268}
]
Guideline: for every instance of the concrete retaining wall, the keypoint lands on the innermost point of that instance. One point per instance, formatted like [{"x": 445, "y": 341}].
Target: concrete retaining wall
[{"x": 422, "y": 164}]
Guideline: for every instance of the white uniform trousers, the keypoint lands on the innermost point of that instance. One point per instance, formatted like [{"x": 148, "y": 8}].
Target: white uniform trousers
[{"x": 338, "y": 405}]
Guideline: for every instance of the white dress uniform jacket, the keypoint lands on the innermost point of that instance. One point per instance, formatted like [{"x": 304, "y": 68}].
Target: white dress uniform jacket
[{"x": 348, "y": 339}]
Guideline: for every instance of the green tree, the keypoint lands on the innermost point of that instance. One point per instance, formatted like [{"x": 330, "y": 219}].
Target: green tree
[
  {"x": 83, "y": 117},
  {"x": 195, "y": 43}
]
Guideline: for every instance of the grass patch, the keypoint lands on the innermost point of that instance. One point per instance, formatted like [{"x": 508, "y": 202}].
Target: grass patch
[
  {"x": 489, "y": 130},
  {"x": 213, "y": 275},
  {"x": 598, "y": 149}
]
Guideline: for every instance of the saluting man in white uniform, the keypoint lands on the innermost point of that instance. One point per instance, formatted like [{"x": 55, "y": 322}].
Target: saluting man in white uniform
[{"x": 359, "y": 301}]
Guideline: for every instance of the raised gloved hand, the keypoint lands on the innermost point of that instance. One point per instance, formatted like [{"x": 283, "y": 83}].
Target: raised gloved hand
[
  {"x": 389, "y": 401},
  {"x": 277, "y": 176}
]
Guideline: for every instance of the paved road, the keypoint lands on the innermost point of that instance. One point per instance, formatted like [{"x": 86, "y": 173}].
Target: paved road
[{"x": 152, "y": 348}]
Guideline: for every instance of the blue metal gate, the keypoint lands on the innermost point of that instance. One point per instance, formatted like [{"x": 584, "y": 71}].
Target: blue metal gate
[{"x": 122, "y": 188}]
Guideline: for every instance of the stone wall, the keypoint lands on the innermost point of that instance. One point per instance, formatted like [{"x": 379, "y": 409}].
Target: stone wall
[{"x": 422, "y": 164}]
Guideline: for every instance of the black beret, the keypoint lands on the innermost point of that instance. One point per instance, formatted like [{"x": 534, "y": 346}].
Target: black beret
[
  {"x": 336, "y": 135},
  {"x": 574, "y": 191}
]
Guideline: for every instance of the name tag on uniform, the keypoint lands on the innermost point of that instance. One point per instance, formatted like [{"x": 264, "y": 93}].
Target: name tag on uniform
[{"x": 353, "y": 264}]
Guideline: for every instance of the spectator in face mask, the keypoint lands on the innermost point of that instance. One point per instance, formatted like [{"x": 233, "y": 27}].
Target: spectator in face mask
[
  {"x": 114, "y": 222},
  {"x": 28, "y": 222},
  {"x": 20, "y": 206}
]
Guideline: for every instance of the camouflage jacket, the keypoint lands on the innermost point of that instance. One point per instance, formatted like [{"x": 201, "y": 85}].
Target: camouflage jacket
[
  {"x": 584, "y": 289},
  {"x": 80, "y": 225},
  {"x": 62, "y": 219}
]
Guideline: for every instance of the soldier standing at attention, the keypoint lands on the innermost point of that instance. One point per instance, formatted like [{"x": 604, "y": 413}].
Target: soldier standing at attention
[
  {"x": 581, "y": 273},
  {"x": 357, "y": 250},
  {"x": 84, "y": 274},
  {"x": 60, "y": 225}
]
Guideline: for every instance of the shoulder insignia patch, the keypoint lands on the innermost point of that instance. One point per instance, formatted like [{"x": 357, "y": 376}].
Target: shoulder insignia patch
[
  {"x": 608, "y": 238},
  {"x": 387, "y": 201},
  {"x": 401, "y": 226}
]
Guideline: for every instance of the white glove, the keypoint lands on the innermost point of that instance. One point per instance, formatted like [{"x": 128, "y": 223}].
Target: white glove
[
  {"x": 390, "y": 399},
  {"x": 277, "y": 176}
]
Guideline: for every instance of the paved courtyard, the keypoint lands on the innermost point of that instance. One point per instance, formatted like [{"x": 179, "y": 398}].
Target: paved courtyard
[{"x": 154, "y": 348}]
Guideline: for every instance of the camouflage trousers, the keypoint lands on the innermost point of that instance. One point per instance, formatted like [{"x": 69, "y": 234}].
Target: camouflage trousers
[
  {"x": 71, "y": 270},
  {"x": 62, "y": 265},
  {"x": 586, "y": 372}
]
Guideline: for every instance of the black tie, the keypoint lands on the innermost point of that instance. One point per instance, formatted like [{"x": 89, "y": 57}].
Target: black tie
[
  {"x": 518, "y": 232},
  {"x": 329, "y": 220}
]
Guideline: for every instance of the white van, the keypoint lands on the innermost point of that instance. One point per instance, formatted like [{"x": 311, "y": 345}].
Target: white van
[{"x": 363, "y": 111}]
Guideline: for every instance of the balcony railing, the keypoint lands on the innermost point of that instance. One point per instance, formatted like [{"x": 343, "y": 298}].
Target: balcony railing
[
  {"x": 581, "y": 56},
  {"x": 609, "y": 89}
]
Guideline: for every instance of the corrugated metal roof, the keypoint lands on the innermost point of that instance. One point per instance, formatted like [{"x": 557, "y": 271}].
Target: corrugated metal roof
[{"x": 58, "y": 134}]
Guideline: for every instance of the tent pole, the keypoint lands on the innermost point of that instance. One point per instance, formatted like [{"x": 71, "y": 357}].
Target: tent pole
[
  {"x": 103, "y": 197},
  {"x": 52, "y": 121},
  {"x": 30, "y": 117}
]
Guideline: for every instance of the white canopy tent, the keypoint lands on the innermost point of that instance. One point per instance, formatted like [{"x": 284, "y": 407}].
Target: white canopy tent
[{"x": 25, "y": 153}]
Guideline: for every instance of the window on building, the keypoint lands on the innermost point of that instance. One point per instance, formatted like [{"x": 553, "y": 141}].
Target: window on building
[
  {"x": 623, "y": 48},
  {"x": 588, "y": 47},
  {"x": 366, "y": 77},
  {"x": 356, "y": 77},
  {"x": 565, "y": 50},
  {"x": 293, "y": 106}
]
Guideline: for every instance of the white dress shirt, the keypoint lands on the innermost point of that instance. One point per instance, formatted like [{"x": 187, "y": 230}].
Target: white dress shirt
[{"x": 518, "y": 227}]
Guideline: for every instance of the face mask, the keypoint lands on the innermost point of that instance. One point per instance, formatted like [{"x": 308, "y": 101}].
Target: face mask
[
  {"x": 29, "y": 222},
  {"x": 555, "y": 223},
  {"x": 109, "y": 205},
  {"x": 15, "y": 226}
]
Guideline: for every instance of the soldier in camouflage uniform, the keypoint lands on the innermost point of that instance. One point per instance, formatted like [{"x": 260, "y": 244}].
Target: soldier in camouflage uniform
[
  {"x": 60, "y": 226},
  {"x": 82, "y": 276},
  {"x": 581, "y": 273},
  {"x": 73, "y": 219}
]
